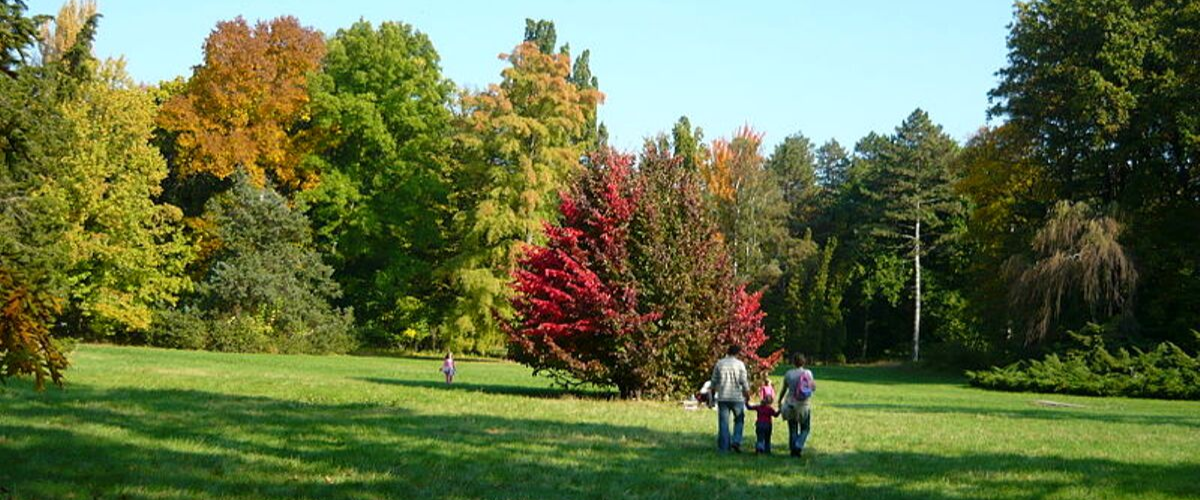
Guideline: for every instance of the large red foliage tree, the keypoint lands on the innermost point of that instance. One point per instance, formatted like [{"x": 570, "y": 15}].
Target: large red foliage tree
[
  {"x": 576, "y": 298},
  {"x": 632, "y": 288}
]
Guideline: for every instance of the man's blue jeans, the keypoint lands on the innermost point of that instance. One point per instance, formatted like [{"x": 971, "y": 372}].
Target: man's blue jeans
[{"x": 724, "y": 408}]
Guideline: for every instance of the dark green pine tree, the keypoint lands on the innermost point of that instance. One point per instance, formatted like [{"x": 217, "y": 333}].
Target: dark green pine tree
[
  {"x": 913, "y": 185},
  {"x": 34, "y": 251},
  {"x": 267, "y": 285},
  {"x": 833, "y": 165},
  {"x": 793, "y": 165}
]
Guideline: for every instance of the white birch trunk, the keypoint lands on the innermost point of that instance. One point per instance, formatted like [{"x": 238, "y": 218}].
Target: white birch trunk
[{"x": 916, "y": 347}]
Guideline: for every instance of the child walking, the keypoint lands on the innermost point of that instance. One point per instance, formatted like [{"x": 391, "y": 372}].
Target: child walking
[
  {"x": 448, "y": 368},
  {"x": 762, "y": 424}
]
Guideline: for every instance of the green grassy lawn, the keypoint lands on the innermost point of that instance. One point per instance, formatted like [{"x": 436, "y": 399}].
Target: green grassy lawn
[{"x": 148, "y": 423}]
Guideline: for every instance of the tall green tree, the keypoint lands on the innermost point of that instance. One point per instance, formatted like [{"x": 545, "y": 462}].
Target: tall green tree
[
  {"x": 519, "y": 146},
  {"x": 1107, "y": 93},
  {"x": 129, "y": 251},
  {"x": 382, "y": 212},
  {"x": 832, "y": 165},
  {"x": 864, "y": 268},
  {"x": 18, "y": 33},
  {"x": 33, "y": 134},
  {"x": 688, "y": 144},
  {"x": 541, "y": 34},
  {"x": 913, "y": 183},
  {"x": 794, "y": 167},
  {"x": 595, "y": 135}
]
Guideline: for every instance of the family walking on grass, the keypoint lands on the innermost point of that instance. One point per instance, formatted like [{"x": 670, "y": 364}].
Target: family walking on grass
[{"x": 730, "y": 388}]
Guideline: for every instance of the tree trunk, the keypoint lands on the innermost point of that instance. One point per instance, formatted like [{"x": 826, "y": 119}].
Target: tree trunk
[
  {"x": 916, "y": 347},
  {"x": 866, "y": 335}
]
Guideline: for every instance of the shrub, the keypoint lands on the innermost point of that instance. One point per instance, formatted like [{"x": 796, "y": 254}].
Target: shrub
[
  {"x": 1165, "y": 371},
  {"x": 240, "y": 334},
  {"x": 181, "y": 328}
]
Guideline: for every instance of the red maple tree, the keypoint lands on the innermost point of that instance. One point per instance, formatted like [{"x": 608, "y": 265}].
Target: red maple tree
[
  {"x": 576, "y": 301},
  {"x": 632, "y": 291}
]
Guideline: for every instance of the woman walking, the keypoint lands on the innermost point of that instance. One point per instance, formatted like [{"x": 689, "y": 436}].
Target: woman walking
[{"x": 798, "y": 387}]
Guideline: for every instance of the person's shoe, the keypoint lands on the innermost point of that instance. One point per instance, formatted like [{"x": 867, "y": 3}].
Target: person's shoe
[
  {"x": 737, "y": 448},
  {"x": 795, "y": 453}
]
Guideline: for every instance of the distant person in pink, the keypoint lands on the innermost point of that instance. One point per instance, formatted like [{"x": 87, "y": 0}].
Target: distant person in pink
[
  {"x": 448, "y": 368},
  {"x": 767, "y": 390}
]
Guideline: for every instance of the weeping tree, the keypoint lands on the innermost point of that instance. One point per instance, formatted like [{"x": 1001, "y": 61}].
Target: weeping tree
[{"x": 1077, "y": 260}]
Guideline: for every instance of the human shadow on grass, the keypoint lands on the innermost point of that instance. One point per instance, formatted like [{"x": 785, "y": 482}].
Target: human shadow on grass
[
  {"x": 1051, "y": 414},
  {"x": 151, "y": 443},
  {"x": 506, "y": 390}
]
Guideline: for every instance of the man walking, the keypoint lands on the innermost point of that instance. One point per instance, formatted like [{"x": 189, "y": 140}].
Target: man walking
[{"x": 731, "y": 388}]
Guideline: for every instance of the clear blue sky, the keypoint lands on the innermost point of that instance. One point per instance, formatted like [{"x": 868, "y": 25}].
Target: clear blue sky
[{"x": 831, "y": 69}]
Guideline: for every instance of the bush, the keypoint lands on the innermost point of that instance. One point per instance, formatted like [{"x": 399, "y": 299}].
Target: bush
[
  {"x": 188, "y": 328},
  {"x": 1165, "y": 371},
  {"x": 178, "y": 329},
  {"x": 240, "y": 334}
]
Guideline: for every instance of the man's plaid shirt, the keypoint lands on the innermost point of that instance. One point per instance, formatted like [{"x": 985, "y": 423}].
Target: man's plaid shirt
[{"x": 729, "y": 380}]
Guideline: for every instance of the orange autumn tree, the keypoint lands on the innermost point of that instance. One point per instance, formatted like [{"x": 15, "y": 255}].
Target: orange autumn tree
[
  {"x": 748, "y": 203},
  {"x": 246, "y": 106}
]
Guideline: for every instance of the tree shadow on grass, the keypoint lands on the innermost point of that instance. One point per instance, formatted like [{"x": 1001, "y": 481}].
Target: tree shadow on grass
[
  {"x": 1052, "y": 414},
  {"x": 148, "y": 443},
  {"x": 385, "y": 353},
  {"x": 885, "y": 375},
  {"x": 506, "y": 390}
]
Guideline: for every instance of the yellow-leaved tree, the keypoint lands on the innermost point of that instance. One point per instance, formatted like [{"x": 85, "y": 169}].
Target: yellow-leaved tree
[
  {"x": 522, "y": 141},
  {"x": 247, "y": 106}
]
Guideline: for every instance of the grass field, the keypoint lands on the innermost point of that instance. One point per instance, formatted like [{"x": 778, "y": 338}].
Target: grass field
[{"x": 146, "y": 423}]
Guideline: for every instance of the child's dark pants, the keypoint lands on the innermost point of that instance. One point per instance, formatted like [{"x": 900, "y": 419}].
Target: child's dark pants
[{"x": 763, "y": 431}]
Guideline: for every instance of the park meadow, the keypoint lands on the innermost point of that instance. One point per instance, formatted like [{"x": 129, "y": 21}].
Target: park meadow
[
  {"x": 144, "y": 423},
  {"x": 252, "y": 278}
]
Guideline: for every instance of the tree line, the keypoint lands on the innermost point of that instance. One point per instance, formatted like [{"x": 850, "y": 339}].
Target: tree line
[{"x": 304, "y": 192}]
